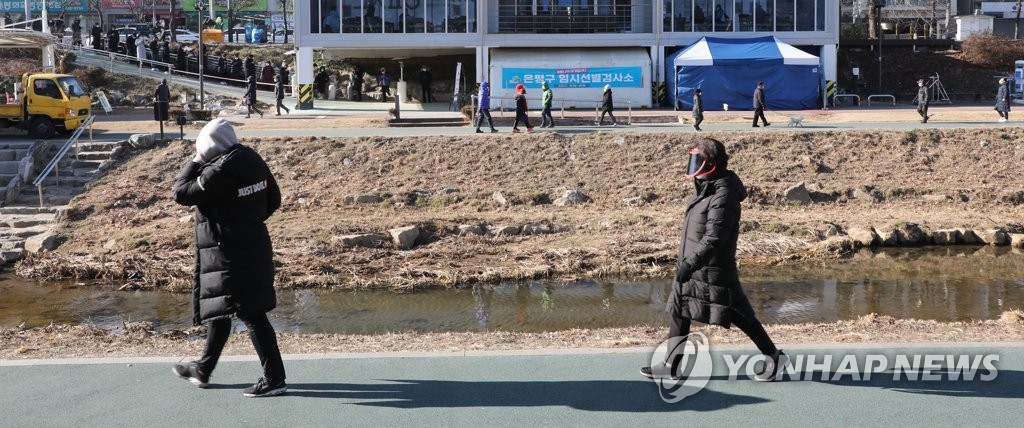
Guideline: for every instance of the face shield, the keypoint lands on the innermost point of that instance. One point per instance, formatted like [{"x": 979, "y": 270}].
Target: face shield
[{"x": 698, "y": 166}]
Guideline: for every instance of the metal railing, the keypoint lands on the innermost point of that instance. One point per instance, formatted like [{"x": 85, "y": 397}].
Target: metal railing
[{"x": 52, "y": 166}]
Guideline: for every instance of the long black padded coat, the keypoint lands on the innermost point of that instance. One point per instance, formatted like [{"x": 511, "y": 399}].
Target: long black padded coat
[
  {"x": 233, "y": 194},
  {"x": 707, "y": 284}
]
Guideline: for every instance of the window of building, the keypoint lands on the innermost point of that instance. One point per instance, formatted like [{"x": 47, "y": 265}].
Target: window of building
[
  {"x": 351, "y": 16},
  {"x": 744, "y": 14},
  {"x": 703, "y": 15},
  {"x": 819, "y": 15},
  {"x": 415, "y": 10},
  {"x": 436, "y": 15},
  {"x": 805, "y": 15},
  {"x": 679, "y": 15},
  {"x": 764, "y": 16},
  {"x": 393, "y": 17},
  {"x": 784, "y": 14},
  {"x": 723, "y": 16}
]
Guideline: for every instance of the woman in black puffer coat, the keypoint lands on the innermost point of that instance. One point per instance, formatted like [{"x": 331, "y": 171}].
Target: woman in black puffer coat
[
  {"x": 234, "y": 193},
  {"x": 707, "y": 284}
]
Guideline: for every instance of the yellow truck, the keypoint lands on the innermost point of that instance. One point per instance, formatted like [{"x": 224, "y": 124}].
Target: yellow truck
[{"x": 47, "y": 103}]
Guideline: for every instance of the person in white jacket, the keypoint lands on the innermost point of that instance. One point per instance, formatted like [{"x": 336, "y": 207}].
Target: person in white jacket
[{"x": 140, "y": 46}]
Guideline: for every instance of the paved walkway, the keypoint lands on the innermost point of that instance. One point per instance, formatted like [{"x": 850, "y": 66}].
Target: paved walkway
[{"x": 554, "y": 388}]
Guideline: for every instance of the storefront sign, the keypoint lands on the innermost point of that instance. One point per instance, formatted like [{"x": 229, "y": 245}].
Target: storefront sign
[
  {"x": 18, "y": 6},
  {"x": 257, "y": 5},
  {"x": 590, "y": 77},
  {"x": 134, "y": 4}
]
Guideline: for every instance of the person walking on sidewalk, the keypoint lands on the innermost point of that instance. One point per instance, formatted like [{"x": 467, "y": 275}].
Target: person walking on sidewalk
[
  {"x": 233, "y": 192},
  {"x": 521, "y": 109},
  {"x": 250, "y": 98},
  {"x": 922, "y": 100},
  {"x": 759, "y": 104},
  {"x": 698, "y": 109},
  {"x": 484, "y": 107},
  {"x": 279, "y": 93},
  {"x": 384, "y": 79},
  {"x": 1003, "y": 100},
  {"x": 607, "y": 106},
  {"x": 707, "y": 284},
  {"x": 546, "y": 120},
  {"x": 426, "y": 81}
]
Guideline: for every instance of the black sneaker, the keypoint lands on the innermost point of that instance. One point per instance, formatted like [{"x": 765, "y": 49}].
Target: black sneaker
[
  {"x": 660, "y": 371},
  {"x": 262, "y": 388},
  {"x": 772, "y": 366},
  {"x": 191, "y": 372}
]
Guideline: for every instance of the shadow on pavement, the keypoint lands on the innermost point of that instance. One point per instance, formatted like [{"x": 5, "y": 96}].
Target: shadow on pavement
[
  {"x": 1007, "y": 384},
  {"x": 596, "y": 395}
]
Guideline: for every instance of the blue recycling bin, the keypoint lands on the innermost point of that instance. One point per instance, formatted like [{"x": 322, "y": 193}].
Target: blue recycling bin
[
  {"x": 259, "y": 34},
  {"x": 248, "y": 32}
]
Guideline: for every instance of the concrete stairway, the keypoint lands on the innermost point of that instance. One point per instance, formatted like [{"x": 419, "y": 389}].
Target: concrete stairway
[{"x": 24, "y": 224}]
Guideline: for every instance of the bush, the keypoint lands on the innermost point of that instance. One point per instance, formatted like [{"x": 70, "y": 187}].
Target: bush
[
  {"x": 467, "y": 112},
  {"x": 94, "y": 77},
  {"x": 201, "y": 115},
  {"x": 990, "y": 50}
]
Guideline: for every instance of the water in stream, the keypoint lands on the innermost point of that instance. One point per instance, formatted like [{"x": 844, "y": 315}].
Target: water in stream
[{"x": 947, "y": 284}]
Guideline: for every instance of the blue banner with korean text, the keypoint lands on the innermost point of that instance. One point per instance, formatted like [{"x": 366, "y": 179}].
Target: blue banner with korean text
[{"x": 585, "y": 77}]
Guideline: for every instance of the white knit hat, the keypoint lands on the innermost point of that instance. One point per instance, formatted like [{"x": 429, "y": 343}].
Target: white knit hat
[{"x": 216, "y": 138}]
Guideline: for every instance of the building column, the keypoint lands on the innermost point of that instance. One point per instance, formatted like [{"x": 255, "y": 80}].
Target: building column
[
  {"x": 483, "y": 60},
  {"x": 304, "y": 73},
  {"x": 829, "y": 72}
]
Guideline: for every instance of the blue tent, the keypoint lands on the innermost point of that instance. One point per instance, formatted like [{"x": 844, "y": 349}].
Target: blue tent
[{"x": 727, "y": 71}]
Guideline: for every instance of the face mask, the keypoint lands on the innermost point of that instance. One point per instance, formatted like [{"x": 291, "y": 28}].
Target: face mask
[{"x": 698, "y": 166}]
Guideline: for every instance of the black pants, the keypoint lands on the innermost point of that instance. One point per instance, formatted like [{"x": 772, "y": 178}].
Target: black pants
[
  {"x": 280, "y": 105},
  {"x": 522, "y": 118},
  {"x": 922, "y": 109},
  {"x": 480, "y": 118},
  {"x": 742, "y": 317},
  {"x": 607, "y": 111},
  {"x": 425, "y": 95},
  {"x": 759, "y": 113},
  {"x": 384, "y": 92},
  {"x": 697, "y": 119},
  {"x": 252, "y": 108},
  {"x": 545, "y": 117},
  {"x": 263, "y": 339}
]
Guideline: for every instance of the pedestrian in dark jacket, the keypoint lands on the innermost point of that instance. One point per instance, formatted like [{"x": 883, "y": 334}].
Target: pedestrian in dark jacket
[
  {"x": 129, "y": 43},
  {"x": 357, "y": 82},
  {"x": 250, "y": 98},
  {"x": 607, "y": 106},
  {"x": 707, "y": 284},
  {"x": 484, "y": 107},
  {"x": 233, "y": 192},
  {"x": 250, "y": 67},
  {"x": 180, "y": 58},
  {"x": 222, "y": 66},
  {"x": 113, "y": 41},
  {"x": 546, "y": 97},
  {"x": 320, "y": 83},
  {"x": 922, "y": 101},
  {"x": 384, "y": 79},
  {"x": 237, "y": 71},
  {"x": 759, "y": 104},
  {"x": 165, "y": 53},
  {"x": 698, "y": 109},
  {"x": 521, "y": 109},
  {"x": 426, "y": 80},
  {"x": 97, "y": 36},
  {"x": 279, "y": 94},
  {"x": 154, "y": 48},
  {"x": 1003, "y": 100},
  {"x": 161, "y": 101}
]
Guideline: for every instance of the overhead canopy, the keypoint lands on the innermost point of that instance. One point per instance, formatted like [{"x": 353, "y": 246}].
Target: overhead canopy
[
  {"x": 727, "y": 71},
  {"x": 21, "y": 38}
]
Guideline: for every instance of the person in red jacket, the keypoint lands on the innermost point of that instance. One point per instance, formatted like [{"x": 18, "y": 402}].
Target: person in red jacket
[{"x": 521, "y": 109}]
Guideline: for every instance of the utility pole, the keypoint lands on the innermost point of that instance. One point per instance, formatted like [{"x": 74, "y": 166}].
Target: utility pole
[
  {"x": 200, "y": 5},
  {"x": 878, "y": 20}
]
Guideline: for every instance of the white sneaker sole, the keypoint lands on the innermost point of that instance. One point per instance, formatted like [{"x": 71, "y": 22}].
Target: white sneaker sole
[{"x": 193, "y": 380}]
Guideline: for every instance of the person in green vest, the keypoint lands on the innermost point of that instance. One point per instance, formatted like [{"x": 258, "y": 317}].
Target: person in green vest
[{"x": 546, "y": 121}]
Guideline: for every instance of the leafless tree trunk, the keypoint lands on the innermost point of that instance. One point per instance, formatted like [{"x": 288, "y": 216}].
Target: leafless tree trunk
[
  {"x": 873, "y": 19},
  {"x": 1016, "y": 23}
]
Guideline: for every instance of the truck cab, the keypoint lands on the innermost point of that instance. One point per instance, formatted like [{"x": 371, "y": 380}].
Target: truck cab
[{"x": 47, "y": 103}]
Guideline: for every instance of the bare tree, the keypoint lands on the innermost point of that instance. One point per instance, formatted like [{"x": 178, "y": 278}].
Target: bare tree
[
  {"x": 873, "y": 19},
  {"x": 1016, "y": 22},
  {"x": 233, "y": 7},
  {"x": 95, "y": 5},
  {"x": 284, "y": 12}
]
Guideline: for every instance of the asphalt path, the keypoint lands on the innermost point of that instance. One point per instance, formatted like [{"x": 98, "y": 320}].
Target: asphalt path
[{"x": 538, "y": 388}]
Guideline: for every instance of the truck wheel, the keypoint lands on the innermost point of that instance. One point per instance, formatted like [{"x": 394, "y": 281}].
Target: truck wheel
[{"x": 41, "y": 128}]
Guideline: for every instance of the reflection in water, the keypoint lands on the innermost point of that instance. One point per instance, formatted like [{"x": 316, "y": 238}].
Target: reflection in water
[{"x": 945, "y": 284}]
